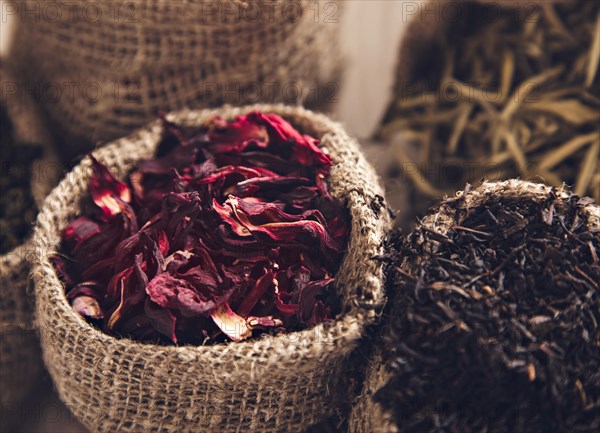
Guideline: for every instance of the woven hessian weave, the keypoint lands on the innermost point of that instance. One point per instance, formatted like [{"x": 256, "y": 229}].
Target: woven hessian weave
[
  {"x": 105, "y": 68},
  {"x": 20, "y": 358},
  {"x": 274, "y": 384}
]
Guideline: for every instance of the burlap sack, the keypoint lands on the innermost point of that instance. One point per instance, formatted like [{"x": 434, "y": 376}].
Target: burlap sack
[
  {"x": 104, "y": 68},
  {"x": 446, "y": 128},
  {"x": 20, "y": 358},
  {"x": 275, "y": 384},
  {"x": 432, "y": 24},
  {"x": 368, "y": 416}
]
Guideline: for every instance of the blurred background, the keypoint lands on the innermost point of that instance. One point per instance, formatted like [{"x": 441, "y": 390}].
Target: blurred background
[{"x": 371, "y": 31}]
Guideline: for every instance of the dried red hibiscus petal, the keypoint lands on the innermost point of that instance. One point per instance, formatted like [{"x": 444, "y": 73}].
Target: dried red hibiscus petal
[
  {"x": 108, "y": 193},
  {"x": 229, "y": 233}
]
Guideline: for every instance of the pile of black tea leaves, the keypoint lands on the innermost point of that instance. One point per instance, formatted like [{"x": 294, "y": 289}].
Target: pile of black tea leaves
[{"x": 494, "y": 326}]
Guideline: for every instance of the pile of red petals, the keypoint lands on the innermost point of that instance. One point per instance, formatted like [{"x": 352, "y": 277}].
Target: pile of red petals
[{"x": 229, "y": 232}]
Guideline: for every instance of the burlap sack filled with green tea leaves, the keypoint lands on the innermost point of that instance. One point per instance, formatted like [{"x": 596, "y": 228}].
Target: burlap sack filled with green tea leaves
[
  {"x": 109, "y": 67},
  {"x": 498, "y": 90},
  {"x": 493, "y": 318},
  {"x": 279, "y": 383},
  {"x": 28, "y": 171}
]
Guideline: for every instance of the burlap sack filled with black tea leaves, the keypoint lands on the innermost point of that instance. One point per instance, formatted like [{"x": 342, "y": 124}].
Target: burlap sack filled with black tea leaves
[
  {"x": 498, "y": 90},
  {"x": 28, "y": 172},
  {"x": 493, "y": 321},
  {"x": 106, "y": 68},
  {"x": 280, "y": 383}
]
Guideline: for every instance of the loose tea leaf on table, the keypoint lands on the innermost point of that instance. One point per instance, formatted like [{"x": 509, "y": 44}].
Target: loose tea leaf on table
[
  {"x": 228, "y": 233},
  {"x": 495, "y": 325},
  {"x": 503, "y": 92},
  {"x": 17, "y": 206}
]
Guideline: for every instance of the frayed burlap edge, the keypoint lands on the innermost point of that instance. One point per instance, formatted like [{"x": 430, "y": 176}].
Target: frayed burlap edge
[
  {"x": 275, "y": 384},
  {"x": 369, "y": 416},
  {"x": 20, "y": 357},
  {"x": 442, "y": 220}
]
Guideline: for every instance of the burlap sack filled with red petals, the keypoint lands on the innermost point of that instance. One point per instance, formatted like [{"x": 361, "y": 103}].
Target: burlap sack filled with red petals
[{"x": 274, "y": 384}]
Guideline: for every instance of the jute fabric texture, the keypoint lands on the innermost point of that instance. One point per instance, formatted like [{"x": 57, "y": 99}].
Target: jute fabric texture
[
  {"x": 20, "y": 357},
  {"x": 104, "y": 68},
  {"x": 274, "y": 384}
]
